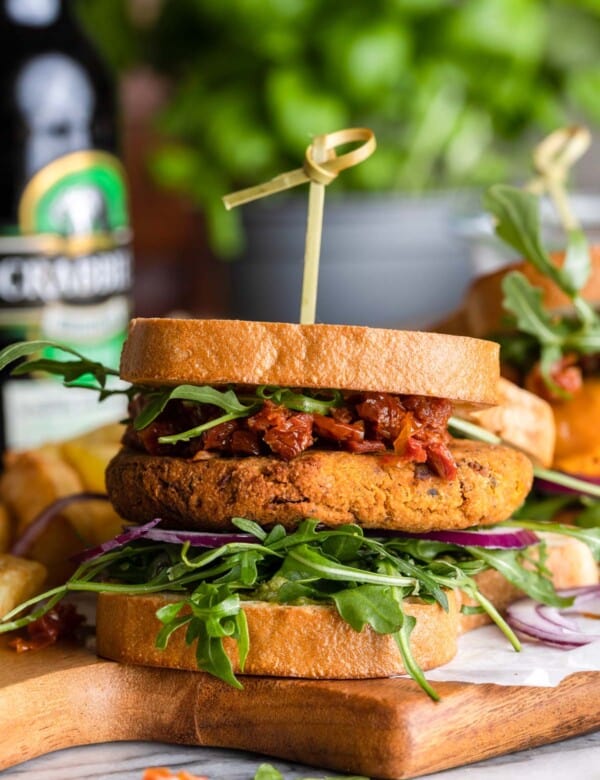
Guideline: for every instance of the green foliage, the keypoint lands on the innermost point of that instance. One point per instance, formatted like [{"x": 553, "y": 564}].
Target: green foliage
[
  {"x": 447, "y": 87},
  {"x": 518, "y": 224},
  {"x": 74, "y": 371}
]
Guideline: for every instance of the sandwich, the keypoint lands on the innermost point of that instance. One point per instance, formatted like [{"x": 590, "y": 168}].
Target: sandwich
[
  {"x": 574, "y": 390},
  {"x": 296, "y": 505},
  {"x": 542, "y": 311}
]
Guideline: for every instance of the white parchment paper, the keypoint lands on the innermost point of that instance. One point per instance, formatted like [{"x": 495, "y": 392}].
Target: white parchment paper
[{"x": 486, "y": 656}]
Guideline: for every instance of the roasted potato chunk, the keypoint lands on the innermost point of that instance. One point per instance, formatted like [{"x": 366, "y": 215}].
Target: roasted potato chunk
[
  {"x": 34, "y": 479},
  {"x": 19, "y": 580}
]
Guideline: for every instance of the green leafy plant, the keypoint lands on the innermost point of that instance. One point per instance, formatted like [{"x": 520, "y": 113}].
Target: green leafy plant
[
  {"x": 518, "y": 224},
  {"x": 448, "y": 88}
]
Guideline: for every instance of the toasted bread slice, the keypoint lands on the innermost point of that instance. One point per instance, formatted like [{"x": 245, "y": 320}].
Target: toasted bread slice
[
  {"x": 347, "y": 357},
  {"x": 521, "y": 419},
  {"x": 310, "y": 641}
]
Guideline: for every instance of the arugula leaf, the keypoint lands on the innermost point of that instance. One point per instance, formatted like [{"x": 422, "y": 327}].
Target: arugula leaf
[
  {"x": 300, "y": 402},
  {"x": 70, "y": 370},
  {"x": 169, "y": 627},
  {"x": 543, "y": 509},
  {"x": 226, "y": 400},
  {"x": 25, "y": 348},
  {"x": 215, "y": 613},
  {"x": 267, "y": 772},
  {"x": 530, "y": 580},
  {"x": 373, "y": 605},
  {"x": 589, "y": 517},
  {"x": 525, "y": 302},
  {"x": 577, "y": 264},
  {"x": 518, "y": 224},
  {"x": 250, "y": 527},
  {"x": 316, "y": 564}
]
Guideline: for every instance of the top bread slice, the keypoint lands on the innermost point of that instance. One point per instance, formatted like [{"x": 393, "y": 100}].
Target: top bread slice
[{"x": 163, "y": 351}]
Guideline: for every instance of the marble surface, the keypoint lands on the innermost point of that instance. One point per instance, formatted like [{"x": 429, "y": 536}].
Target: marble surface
[{"x": 577, "y": 759}]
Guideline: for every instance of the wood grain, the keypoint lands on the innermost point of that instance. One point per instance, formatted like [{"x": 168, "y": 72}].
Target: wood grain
[{"x": 65, "y": 696}]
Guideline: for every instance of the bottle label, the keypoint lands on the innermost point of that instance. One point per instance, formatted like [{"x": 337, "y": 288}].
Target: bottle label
[{"x": 66, "y": 276}]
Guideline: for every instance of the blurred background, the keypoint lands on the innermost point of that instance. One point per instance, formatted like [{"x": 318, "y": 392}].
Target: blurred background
[{"x": 215, "y": 96}]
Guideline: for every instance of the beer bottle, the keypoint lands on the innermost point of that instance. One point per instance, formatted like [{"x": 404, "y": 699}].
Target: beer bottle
[{"x": 65, "y": 257}]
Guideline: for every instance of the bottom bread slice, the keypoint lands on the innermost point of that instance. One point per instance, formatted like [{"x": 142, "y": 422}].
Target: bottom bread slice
[{"x": 313, "y": 641}]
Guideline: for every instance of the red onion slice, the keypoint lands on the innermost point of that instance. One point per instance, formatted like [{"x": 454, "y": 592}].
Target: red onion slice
[
  {"x": 39, "y": 523},
  {"x": 198, "y": 538},
  {"x": 554, "y": 626},
  {"x": 498, "y": 538},
  {"x": 148, "y": 531},
  {"x": 557, "y": 617},
  {"x": 494, "y": 538},
  {"x": 129, "y": 535},
  {"x": 551, "y": 488}
]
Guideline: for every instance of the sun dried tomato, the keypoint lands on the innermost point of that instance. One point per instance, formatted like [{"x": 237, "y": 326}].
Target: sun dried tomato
[
  {"x": 336, "y": 430},
  {"x": 63, "y": 620},
  {"x": 384, "y": 414},
  {"x": 244, "y": 442},
  {"x": 565, "y": 373},
  {"x": 441, "y": 461},
  {"x": 285, "y": 432},
  {"x": 290, "y": 437},
  {"x": 432, "y": 412},
  {"x": 219, "y": 437}
]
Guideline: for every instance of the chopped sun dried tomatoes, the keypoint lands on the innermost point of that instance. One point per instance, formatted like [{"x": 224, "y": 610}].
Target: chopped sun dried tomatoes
[
  {"x": 413, "y": 427},
  {"x": 61, "y": 621}
]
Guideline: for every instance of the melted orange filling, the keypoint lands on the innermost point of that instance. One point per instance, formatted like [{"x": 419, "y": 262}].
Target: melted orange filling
[{"x": 578, "y": 430}]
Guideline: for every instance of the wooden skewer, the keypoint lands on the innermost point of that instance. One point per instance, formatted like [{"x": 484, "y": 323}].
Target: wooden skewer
[
  {"x": 312, "y": 245},
  {"x": 552, "y": 159},
  {"x": 321, "y": 166}
]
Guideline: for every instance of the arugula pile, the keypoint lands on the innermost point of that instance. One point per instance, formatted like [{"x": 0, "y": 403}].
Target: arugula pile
[{"x": 366, "y": 579}]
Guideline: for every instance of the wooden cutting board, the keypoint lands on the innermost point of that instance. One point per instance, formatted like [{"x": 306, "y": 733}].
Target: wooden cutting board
[{"x": 65, "y": 696}]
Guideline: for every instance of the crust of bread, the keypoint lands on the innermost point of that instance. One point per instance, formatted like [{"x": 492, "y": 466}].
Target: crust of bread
[
  {"x": 313, "y": 641},
  {"x": 521, "y": 419},
  {"x": 163, "y": 351},
  {"x": 482, "y": 312},
  {"x": 309, "y": 641}
]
